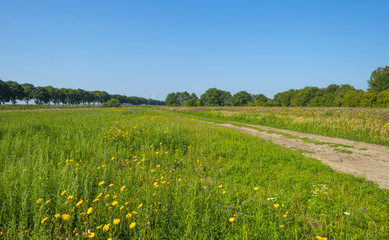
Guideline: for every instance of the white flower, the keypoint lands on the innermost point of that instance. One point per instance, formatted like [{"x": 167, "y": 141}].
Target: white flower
[
  {"x": 347, "y": 213},
  {"x": 272, "y": 198}
]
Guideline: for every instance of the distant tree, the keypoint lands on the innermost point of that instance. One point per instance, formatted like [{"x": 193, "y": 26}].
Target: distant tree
[
  {"x": 215, "y": 97},
  {"x": 304, "y": 96},
  {"x": 17, "y": 91},
  {"x": 379, "y": 79},
  {"x": 241, "y": 98},
  {"x": 260, "y": 99},
  {"x": 28, "y": 91},
  {"x": 284, "y": 98},
  {"x": 41, "y": 95},
  {"x": 133, "y": 100},
  {"x": 383, "y": 99},
  {"x": 102, "y": 96},
  {"x": 193, "y": 101},
  {"x": 352, "y": 98},
  {"x": 171, "y": 99},
  {"x": 5, "y": 92},
  {"x": 112, "y": 103},
  {"x": 55, "y": 95},
  {"x": 341, "y": 92}
]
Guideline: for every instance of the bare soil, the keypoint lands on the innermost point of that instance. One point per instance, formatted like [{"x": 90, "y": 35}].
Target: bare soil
[{"x": 362, "y": 159}]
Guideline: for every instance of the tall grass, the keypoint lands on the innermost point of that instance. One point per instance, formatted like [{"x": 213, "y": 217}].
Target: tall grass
[{"x": 135, "y": 173}]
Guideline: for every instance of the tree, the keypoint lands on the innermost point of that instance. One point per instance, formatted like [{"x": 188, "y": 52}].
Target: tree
[
  {"x": 171, "y": 99},
  {"x": 113, "y": 102},
  {"x": 41, "y": 95},
  {"x": 241, "y": 98},
  {"x": 17, "y": 91},
  {"x": 260, "y": 99},
  {"x": 215, "y": 97},
  {"x": 28, "y": 91},
  {"x": 5, "y": 92},
  {"x": 379, "y": 79},
  {"x": 304, "y": 96},
  {"x": 284, "y": 98}
]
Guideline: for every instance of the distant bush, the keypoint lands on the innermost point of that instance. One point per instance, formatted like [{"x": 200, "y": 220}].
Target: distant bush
[{"x": 112, "y": 103}]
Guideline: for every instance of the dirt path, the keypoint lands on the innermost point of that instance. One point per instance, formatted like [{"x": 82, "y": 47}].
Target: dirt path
[{"x": 362, "y": 159}]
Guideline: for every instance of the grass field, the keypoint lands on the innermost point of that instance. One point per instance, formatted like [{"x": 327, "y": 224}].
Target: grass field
[
  {"x": 138, "y": 173},
  {"x": 365, "y": 125}
]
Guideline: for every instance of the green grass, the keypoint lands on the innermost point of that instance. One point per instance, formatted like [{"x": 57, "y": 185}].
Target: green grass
[{"x": 182, "y": 179}]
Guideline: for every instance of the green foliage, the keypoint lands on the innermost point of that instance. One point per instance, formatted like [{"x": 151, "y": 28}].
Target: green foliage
[
  {"x": 242, "y": 98},
  {"x": 178, "y": 179},
  {"x": 5, "y": 92},
  {"x": 16, "y": 90},
  {"x": 41, "y": 95},
  {"x": 112, "y": 103},
  {"x": 28, "y": 92},
  {"x": 379, "y": 79},
  {"x": 215, "y": 97}
]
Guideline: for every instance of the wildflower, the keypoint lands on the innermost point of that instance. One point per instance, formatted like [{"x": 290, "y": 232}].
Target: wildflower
[
  {"x": 232, "y": 219},
  {"x": 132, "y": 225},
  {"x": 79, "y": 202},
  {"x": 98, "y": 227},
  {"x": 101, "y": 183},
  {"x": 70, "y": 197},
  {"x": 89, "y": 210},
  {"x": 121, "y": 208},
  {"x": 347, "y": 213},
  {"x": 57, "y": 215},
  {"x": 281, "y": 226},
  {"x": 114, "y": 203},
  {"x": 106, "y": 227},
  {"x": 96, "y": 200},
  {"x": 62, "y": 193},
  {"x": 134, "y": 212},
  {"x": 271, "y": 198},
  {"x": 285, "y": 215},
  {"x": 256, "y": 188},
  {"x": 179, "y": 179},
  {"x": 220, "y": 186},
  {"x": 47, "y": 201},
  {"x": 276, "y": 205},
  {"x": 43, "y": 220},
  {"x": 140, "y": 205},
  {"x": 65, "y": 217},
  {"x": 122, "y": 189},
  {"x": 89, "y": 234},
  {"x": 99, "y": 195},
  {"x": 110, "y": 185},
  {"x": 116, "y": 221},
  {"x": 128, "y": 215}
]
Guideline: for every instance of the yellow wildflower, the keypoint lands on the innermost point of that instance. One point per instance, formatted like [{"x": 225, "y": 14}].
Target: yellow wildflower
[
  {"x": 101, "y": 183},
  {"x": 122, "y": 189},
  {"x": 96, "y": 200},
  {"x": 116, "y": 221},
  {"x": 281, "y": 226},
  {"x": 179, "y": 179},
  {"x": 106, "y": 227},
  {"x": 89, "y": 235},
  {"x": 121, "y": 208},
  {"x": 98, "y": 227},
  {"x": 43, "y": 220},
  {"x": 110, "y": 185},
  {"x": 220, "y": 186},
  {"x": 133, "y": 224},
  {"x": 89, "y": 210},
  {"x": 39, "y": 200},
  {"x": 62, "y": 193},
  {"x": 79, "y": 202},
  {"x": 276, "y": 205},
  {"x": 114, "y": 203},
  {"x": 57, "y": 215},
  {"x": 65, "y": 217},
  {"x": 70, "y": 197},
  {"x": 99, "y": 195},
  {"x": 128, "y": 215},
  {"x": 232, "y": 219},
  {"x": 140, "y": 205},
  {"x": 47, "y": 201},
  {"x": 256, "y": 188}
]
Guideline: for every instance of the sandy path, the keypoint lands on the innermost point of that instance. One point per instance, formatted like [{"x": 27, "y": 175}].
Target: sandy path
[{"x": 369, "y": 160}]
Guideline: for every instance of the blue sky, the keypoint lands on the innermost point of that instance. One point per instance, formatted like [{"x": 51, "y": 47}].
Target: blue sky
[{"x": 151, "y": 48}]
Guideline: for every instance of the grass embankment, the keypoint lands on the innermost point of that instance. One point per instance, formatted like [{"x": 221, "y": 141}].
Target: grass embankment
[
  {"x": 134, "y": 173},
  {"x": 365, "y": 125}
]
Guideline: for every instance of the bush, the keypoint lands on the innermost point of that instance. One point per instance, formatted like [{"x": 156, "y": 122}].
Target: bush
[{"x": 112, "y": 103}]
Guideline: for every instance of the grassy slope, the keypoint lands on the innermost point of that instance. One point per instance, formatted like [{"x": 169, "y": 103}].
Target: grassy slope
[{"x": 190, "y": 178}]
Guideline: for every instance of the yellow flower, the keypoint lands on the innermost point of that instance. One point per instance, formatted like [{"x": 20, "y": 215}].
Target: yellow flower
[
  {"x": 99, "y": 195},
  {"x": 57, "y": 215},
  {"x": 106, "y": 227},
  {"x": 256, "y": 188},
  {"x": 281, "y": 226},
  {"x": 285, "y": 215},
  {"x": 62, "y": 193},
  {"x": 89, "y": 235},
  {"x": 39, "y": 200},
  {"x": 79, "y": 203},
  {"x": 47, "y": 201},
  {"x": 98, "y": 227},
  {"x": 231, "y": 219},
  {"x": 110, "y": 185},
  {"x": 133, "y": 224},
  {"x": 65, "y": 217},
  {"x": 122, "y": 189},
  {"x": 121, "y": 208},
  {"x": 101, "y": 183},
  {"x": 134, "y": 212},
  {"x": 114, "y": 203},
  {"x": 128, "y": 215},
  {"x": 109, "y": 238},
  {"x": 70, "y": 197},
  {"x": 116, "y": 221},
  {"x": 89, "y": 210},
  {"x": 179, "y": 179},
  {"x": 140, "y": 205},
  {"x": 43, "y": 220},
  {"x": 276, "y": 205},
  {"x": 220, "y": 186}
]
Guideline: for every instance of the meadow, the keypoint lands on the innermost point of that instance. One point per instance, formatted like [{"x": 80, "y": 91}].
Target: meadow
[
  {"x": 142, "y": 173},
  {"x": 359, "y": 124}
]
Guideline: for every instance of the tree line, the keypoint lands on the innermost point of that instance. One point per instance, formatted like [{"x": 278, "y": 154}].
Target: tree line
[
  {"x": 11, "y": 91},
  {"x": 334, "y": 95}
]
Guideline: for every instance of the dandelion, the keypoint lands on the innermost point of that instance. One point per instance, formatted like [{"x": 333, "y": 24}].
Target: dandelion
[
  {"x": 128, "y": 215},
  {"x": 99, "y": 195},
  {"x": 39, "y": 200},
  {"x": 179, "y": 179},
  {"x": 62, "y": 193},
  {"x": 256, "y": 188},
  {"x": 116, "y": 221},
  {"x": 232, "y": 219},
  {"x": 47, "y": 201},
  {"x": 220, "y": 186},
  {"x": 140, "y": 205},
  {"x": 79, "y": 202},
  {"x": 133, "y": 224},
  {"x": 43, "y": 220},
  {"x": 134, "y": 212},
  {"x": 281, "y": 226},
  {"x": 98, "y": 227},
  {"x": 57, "y": 215},
  {"x": 65, "y": 217},
  {"x": 70, "y": 197},
  {"x": 106, "y": 227},
  {"x": 110, "y": 185},
  {"x": 89, "y": 210},
  {"x": 121, "y": 208},
  {"x": 114, "y": 203},
  {"x": 122, "y": 189},
  {"x": 96, "y": 200},
  {"x": 285, "y": 215},
  {"x": 276, "y": 205},
  {"x": 101, "y": 183}
]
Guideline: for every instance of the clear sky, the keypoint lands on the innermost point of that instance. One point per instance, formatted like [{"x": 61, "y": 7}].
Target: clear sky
[{"x": 151, "y": 48}]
